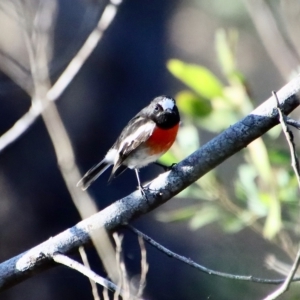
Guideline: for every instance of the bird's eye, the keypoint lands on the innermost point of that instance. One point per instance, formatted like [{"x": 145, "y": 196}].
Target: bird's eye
[{"x": 158, "y": 107}]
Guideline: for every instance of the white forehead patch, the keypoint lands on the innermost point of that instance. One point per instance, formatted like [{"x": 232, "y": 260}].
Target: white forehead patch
[{"x": 167, "y": 103}]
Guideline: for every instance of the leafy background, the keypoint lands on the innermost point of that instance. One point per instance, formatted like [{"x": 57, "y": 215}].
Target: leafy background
[{"x": 208, "y": 55}]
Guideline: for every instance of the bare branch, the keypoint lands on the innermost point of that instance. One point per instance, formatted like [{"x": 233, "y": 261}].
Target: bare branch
[
  {"x": 158, "y": 191},
  {"x": 285, "y": 286},
  {"x": 123, "y": 283},
  {"x": 278, "y": 266},
  {"x": 83, "y": 54},
  {"x": 290, "y": 140},
  {"x": 16, "y": 71},
  {"x": 144, "y": 267},
  {"x": 39, "y": 49},
  {"x": 201, "y": 268},
  {"x": 87, "y": 265},
  {"x": 13, "y": 60},
  {"x": 271, "y": 37},
  {"x": 105, "y": 294},
  {"x": 19, "y": 127},
  {"x": 65, "y": 78},
  {"x": 71, "y": 263}
]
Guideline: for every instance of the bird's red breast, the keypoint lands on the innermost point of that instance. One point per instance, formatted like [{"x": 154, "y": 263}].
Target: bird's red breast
[{"x": 161, "y": 139}]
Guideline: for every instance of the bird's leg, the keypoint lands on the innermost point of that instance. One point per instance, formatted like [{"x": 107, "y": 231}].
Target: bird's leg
[
  {"x": 166, "y": 168},
  {"x": 139, "y": 183}
]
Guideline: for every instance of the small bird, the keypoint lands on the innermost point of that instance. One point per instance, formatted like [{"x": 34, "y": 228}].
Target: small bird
[{"x": 146, "y": 137}]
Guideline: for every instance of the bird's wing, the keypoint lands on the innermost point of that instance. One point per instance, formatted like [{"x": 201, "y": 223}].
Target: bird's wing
[{"x": 137, "y": 131}]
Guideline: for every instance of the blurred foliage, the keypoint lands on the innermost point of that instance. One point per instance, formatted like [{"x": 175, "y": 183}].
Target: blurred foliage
[{"x": 263, "y": 187}]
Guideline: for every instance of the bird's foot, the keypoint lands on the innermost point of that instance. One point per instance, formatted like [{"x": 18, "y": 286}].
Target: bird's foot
[
  {"x": 166, "y": 168},
  {"x": 143, "y": 191}
]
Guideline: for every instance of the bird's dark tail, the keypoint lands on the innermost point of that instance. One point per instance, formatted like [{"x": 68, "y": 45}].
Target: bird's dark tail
[
  {"x": 92, "y": 174},
  {"x": 116, "y": 172}
]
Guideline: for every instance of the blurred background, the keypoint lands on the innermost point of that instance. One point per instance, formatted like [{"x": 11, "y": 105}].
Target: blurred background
[{"x": 140, "y": 56}]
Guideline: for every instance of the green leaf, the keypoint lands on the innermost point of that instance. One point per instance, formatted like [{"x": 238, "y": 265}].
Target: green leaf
[
  {"x": 259, "y": 157},
  {"x": 279, "y": 157},
  {"x": 193, "y": 105},
  {"x": 248, "y": 189},
  {"x": 225, "y": 45},
  {"x": 198, "y": 78},
  {"x": 287, "y": 184},
  {"x": 273, "y": 222},
  {"x": 205, "y": 216},
  {"x": 188, "y": 139},
  {"x": 233, "y": 225},
  {"x": 218, "y": 120},
  {"x": 176, "y": 215},
  {"x": 168, "y": 159},
  {"x": 274, "y": 132},
  {"x": 236, "y": 224}
]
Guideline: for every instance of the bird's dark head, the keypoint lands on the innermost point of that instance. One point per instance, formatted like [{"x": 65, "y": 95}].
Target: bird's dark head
[{"x": 164, "y": 112}]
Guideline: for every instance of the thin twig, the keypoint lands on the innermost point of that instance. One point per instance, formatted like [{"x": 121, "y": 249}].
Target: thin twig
[
  {"x": 290, "y": 139},
  {"x": 65, "y": 78},
  {"x": 84, "y": 53},
  {"x": 286, "y": 284},
  {"x": 292, "y": 122},
  {"x": 117, "y": 239},
  {"x": 65, "y": 260},
  {"x": 144, "y": 267},
  {"x": 87, "y": 265},
  {"x": 271, "y": 37},
  {"x": 105, "y": 294},
  {"x": 16, "y": 71},
  {"x": 278, "y": 266},
  {"x": 123, "y": 278},
  {"x": 201, "y": 268},
  {"x": 295, "y": 164}
]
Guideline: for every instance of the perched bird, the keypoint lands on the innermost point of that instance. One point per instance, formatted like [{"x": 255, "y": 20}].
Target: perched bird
[{"x": 146, "y": 137}]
